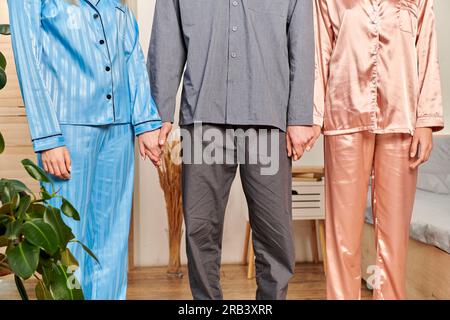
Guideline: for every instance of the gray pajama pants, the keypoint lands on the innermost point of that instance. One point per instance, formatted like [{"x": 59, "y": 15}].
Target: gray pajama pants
[{"x": 206, "y": 189}]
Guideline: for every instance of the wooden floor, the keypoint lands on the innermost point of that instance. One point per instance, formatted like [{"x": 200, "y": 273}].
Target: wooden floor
[{"x": 153, "y": 284}]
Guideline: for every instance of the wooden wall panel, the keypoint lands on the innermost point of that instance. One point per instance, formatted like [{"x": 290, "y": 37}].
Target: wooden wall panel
[
  {"x": 10, "y": 97},
  {"x": 13, "y": 121}
]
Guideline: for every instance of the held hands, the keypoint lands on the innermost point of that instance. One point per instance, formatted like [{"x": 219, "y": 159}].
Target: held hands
[
  {"x": 421, "y": 146},
  {"x": 149, "y": 146},
  {"x": 57, "y": 162},
  {"x": 151, "y": 143},
  {"x": 164, "y": 134},
  {"x": 300, "y": 139}
]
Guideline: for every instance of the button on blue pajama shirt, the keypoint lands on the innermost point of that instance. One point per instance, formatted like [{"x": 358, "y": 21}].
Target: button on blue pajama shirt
[{"x": 85, "y": 86}]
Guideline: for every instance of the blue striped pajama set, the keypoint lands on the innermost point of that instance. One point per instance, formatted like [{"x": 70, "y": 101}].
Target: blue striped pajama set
[{"x": 85, "y": 86}]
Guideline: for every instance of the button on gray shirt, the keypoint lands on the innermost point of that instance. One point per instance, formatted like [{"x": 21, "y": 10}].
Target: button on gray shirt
[{"x": 248, "y": 62}]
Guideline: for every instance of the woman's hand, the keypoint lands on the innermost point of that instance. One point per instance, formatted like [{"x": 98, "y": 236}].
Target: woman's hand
[
  {"x": 317, "y": 132},
  {"x": 421, "y": 146},
  {"x": 298, "y": 139},
  {"x": 149, "y": 146},
  {"x": 57, "y": 162}
]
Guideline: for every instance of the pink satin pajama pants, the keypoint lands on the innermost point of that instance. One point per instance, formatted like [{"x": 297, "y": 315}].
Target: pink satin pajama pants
[{"x": 351, "y": 159}]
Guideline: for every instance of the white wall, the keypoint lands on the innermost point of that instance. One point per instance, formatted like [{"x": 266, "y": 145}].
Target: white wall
[{"x": 150, "y": 221}]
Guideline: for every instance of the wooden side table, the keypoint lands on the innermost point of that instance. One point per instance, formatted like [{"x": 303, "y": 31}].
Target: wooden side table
[{"x": 308, "y": 203}]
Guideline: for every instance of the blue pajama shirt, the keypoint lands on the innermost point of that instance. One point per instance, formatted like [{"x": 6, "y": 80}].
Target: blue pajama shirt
[{"x": 85, "y": 86}]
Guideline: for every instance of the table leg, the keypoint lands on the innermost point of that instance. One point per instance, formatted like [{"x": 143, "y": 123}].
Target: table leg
[
  {"x": 323, "y": 244},
  {"x": 246, "y": 244},
  {"x": 314, "y": 248},
  {"x": 251, "y": 262}
]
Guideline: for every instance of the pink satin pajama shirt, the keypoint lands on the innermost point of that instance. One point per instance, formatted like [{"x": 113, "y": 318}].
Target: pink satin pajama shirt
[{"x": 377, "y": 66}]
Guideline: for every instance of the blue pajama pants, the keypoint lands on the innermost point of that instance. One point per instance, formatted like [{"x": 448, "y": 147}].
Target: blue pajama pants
[{"x": 101, "y": 189}]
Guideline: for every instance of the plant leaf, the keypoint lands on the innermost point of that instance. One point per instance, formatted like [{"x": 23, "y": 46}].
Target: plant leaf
[
  {"x": 64, "y": 234},
  {"x": 88, "y": 251},
  {"x": 3, "y": 241},
  {"x": 2, "y": 61},
  {"x": 42, "y": 293},
  {"x": 68, "y": 209},
  {"x": 35, "y": 172},
  {"x": 41, "y": 234},
  {"x": 24, "y": 204},
  {"x": 5, "y": 194},
  {"x": 63, "y": 284},
  {"x": 19, "y": 186},
  {"x": 2, "y": 143},
  {"x": 13, "y": 229},
  {"x": 15, "y": 202},
  {"x": 5, "y": 209},
  {"x": 46, "y": 266},
  {"x": 45, "y": 194},
  {"x": 44, "y": 263},
  {"x": 36, "y": 211},
  {"x": 23, "y": 259},
  {"x": 5, "y": 29},
  {"x": 21, "y": 288},
  {"x": 3, "y": 78},
  {"x": 4, "y": 220},
  {"x": 67, "y": 259}
]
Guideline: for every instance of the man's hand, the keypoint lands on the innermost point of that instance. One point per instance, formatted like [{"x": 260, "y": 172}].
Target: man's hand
[
  {"x": 149, "y": 146},
  {"x": 164, "y": 133},
  {"x": 57, "y": 162},
  {"x": 421, "y": 146},
  {"x": 299, "y": 139}
]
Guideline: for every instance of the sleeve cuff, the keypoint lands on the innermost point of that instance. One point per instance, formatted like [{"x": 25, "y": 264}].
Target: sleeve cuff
[
  {"x": 318, "y": 121},
  {"x": 147, "y": 126},
  {"x": 48, "y": 143},
  {"x": 435, "y": 123},
  {"x": 300, "y": 122}
]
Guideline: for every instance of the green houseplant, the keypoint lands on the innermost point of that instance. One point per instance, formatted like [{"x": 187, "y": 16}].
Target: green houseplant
[{"x": 33, "y": 235}]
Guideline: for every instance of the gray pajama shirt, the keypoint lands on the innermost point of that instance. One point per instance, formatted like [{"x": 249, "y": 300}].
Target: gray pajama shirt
[{"x": 247, "y": 63}]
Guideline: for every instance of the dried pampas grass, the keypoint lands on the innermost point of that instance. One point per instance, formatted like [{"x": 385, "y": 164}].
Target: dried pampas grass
[{"x": 170, "y": 181}]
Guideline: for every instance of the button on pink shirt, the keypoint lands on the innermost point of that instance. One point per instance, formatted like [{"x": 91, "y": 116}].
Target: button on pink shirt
[{"x": 377, "y": 66}]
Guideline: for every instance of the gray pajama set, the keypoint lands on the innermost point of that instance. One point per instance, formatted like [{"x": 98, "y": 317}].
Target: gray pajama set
[{"x": 249, "y": 65}]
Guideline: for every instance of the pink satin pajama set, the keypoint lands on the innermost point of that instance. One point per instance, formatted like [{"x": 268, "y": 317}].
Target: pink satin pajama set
[{"x": 377, "y": 80}]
